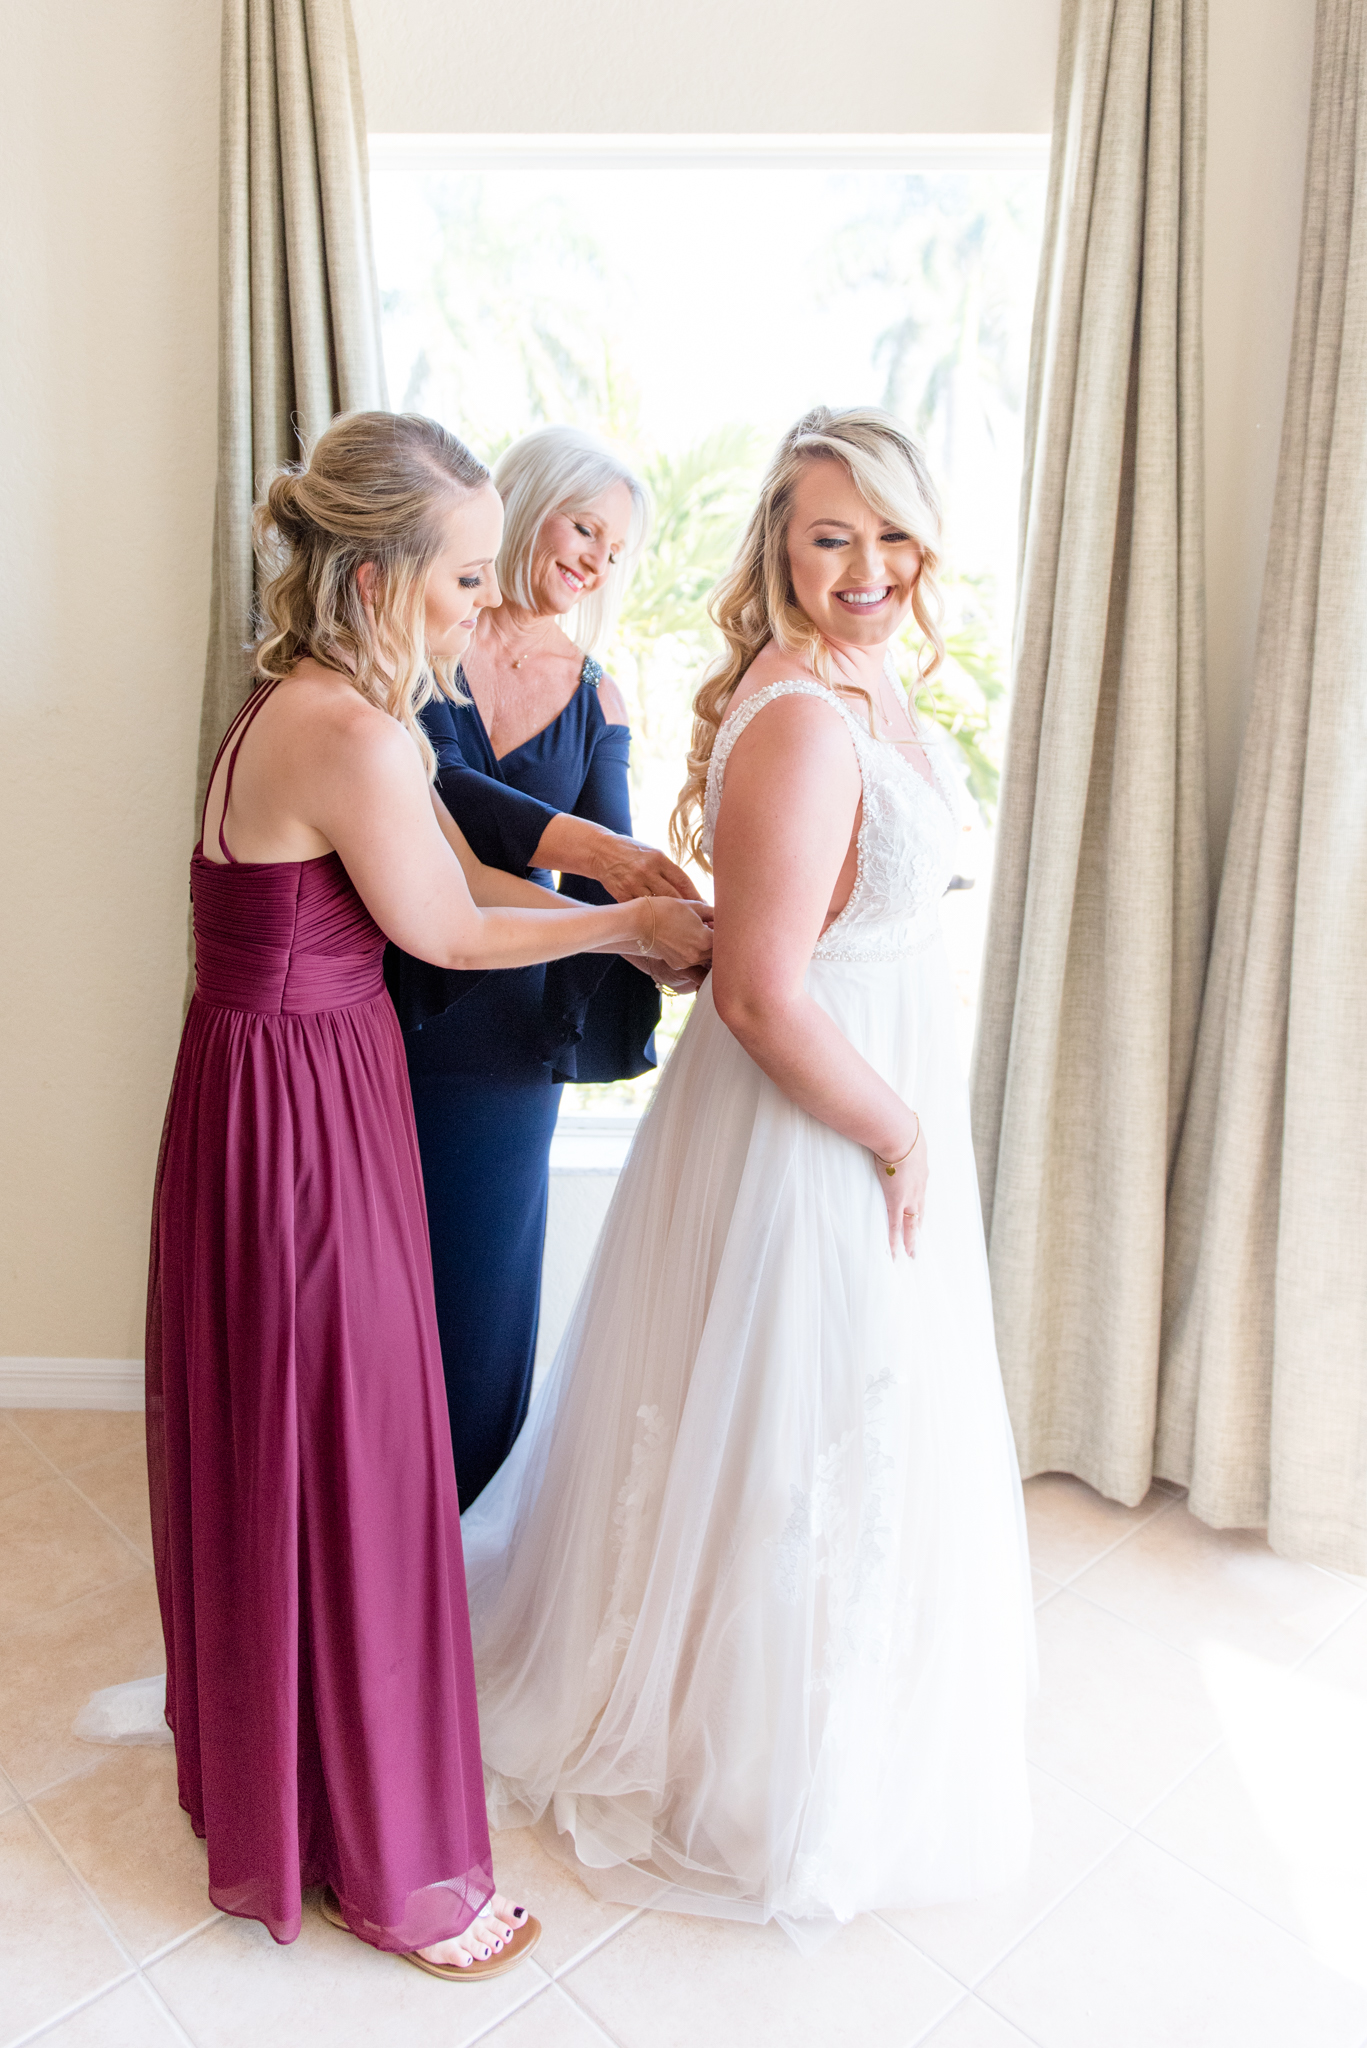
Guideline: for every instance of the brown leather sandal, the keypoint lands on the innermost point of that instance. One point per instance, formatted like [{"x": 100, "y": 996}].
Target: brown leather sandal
[{"x": 523, "y": 1942}]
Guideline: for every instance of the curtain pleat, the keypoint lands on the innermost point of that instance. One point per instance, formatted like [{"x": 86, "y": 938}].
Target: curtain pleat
[
  {"x": 299, "y": 321},
  {"x": 1099, "y": 919},
  {"x": 1264, "y": 1394}
]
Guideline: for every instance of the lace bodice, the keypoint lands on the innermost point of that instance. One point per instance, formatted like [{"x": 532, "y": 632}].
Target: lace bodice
[{"x": 906, "y": 844}]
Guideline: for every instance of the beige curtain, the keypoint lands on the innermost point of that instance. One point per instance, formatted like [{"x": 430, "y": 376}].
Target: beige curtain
[
  {"x": 1264, "y": 1401},
  {"x": 1098, "y": 930},
  {"x": 299, "y": 327}
]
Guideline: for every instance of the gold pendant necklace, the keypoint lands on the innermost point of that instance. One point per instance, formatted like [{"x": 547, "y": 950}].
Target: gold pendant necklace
[{"x": 543, "y": 649}]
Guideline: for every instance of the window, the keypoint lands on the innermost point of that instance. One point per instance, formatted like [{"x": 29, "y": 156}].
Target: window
[{"x": 691, "y": 297}]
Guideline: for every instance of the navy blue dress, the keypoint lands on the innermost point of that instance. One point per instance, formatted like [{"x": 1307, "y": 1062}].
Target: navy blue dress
[{"x": 489, "y": 1051}]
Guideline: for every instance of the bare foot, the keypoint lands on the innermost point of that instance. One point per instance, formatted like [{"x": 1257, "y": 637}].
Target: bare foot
[{"x": 483, "y": 1938}]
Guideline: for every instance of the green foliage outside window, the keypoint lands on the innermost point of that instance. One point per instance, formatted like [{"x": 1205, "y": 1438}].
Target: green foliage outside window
[{"x": 502, "y": 320}]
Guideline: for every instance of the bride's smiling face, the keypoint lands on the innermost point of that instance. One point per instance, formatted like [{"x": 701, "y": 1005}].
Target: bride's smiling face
[{"x": 854, "y": 573}]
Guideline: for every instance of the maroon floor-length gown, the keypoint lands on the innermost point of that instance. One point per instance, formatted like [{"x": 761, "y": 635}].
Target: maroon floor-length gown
[{"x": 305, "y": 1519}]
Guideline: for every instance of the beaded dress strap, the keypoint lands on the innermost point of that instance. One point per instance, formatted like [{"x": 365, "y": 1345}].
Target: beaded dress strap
[
  {"x": 233, "y": 737},
  {"x": 733, "y": 726}
]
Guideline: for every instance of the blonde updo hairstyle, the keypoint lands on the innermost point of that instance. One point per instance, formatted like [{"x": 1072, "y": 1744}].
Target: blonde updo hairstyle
[
  {"x": 564, "y": 469},
  {"x": 375, "y": 488},
  {"x": 754, "y": 603}
]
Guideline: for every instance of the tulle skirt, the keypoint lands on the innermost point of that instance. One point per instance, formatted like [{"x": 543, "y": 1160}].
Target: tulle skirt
[{"x": 750, "y": 1600}]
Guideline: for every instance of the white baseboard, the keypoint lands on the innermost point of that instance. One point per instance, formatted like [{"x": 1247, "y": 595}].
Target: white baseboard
[{"x": 71, "y": 1383}]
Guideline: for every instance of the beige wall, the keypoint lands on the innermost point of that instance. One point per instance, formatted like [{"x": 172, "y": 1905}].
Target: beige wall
[
  {"x": 108, "y": 131},
  {"x": 108, "y": 127},
  {"x": 720, "y": 67}
]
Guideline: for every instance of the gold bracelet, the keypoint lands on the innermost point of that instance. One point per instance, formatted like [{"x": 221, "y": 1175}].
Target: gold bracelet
[
  {"x": 647, "y": 952},
  {"x": 890, "y": 1166}
]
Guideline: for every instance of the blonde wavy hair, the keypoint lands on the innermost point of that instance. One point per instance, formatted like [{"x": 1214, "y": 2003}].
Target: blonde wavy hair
[
  {"x": 563, "y": 469},
  {"x": 754, "y": 603},
  {"x": 375, "y": 488}
]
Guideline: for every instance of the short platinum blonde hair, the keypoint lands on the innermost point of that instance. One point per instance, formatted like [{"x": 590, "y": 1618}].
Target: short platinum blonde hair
[{"x": 562, "y": 469}]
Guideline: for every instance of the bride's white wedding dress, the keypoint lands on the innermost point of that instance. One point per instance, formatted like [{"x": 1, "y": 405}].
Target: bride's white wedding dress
[{"x": 750, "y": 1598}]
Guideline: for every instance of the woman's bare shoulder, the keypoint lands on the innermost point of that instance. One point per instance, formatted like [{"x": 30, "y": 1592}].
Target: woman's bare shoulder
[
  {"x": 806, "y": 717},
  {"x": 797, "y": 733},
  {"x": 320, "y": 710},
  {"x": 613, "y": 702}
]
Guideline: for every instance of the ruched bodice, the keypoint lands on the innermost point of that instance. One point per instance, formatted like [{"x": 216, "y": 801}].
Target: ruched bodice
[{"x": 283, "y": 938}]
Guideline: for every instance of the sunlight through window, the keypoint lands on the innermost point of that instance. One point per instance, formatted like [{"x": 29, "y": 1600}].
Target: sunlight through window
[{"x": 690, "y": 298}]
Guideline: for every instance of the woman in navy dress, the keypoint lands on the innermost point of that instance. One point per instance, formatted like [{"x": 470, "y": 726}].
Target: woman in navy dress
[{"x": 534, "y": 769}]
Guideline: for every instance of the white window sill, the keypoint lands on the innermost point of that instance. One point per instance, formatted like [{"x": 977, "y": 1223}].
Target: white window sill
[{"x": 591, "y": 1144}]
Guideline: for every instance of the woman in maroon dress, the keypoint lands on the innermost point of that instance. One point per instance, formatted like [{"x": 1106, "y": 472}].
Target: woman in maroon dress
[{"x": 305, "y": 1518}]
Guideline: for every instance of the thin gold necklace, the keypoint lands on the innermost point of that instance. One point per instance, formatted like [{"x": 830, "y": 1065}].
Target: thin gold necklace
[{"x": 530, "y": 652}]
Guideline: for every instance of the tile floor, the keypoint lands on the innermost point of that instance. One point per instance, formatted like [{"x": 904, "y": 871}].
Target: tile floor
[{"x": 1200, "y": 1879}]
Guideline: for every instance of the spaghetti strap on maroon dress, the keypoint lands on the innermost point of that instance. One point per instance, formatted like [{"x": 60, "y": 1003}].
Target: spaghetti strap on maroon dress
[{"x": 305, "y": 1520}]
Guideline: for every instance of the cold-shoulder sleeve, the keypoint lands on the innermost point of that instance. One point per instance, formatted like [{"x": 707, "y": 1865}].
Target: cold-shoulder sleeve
[
  {"x": 503, "y": 825},
  {"x": 600, "y": 1012}
]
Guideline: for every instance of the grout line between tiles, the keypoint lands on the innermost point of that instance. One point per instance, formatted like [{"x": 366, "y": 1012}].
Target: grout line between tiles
[
  {"x": 1131, "y": 1826},
  {"x": 91, "y": 1592},
  {"x": 948, "y": 2014},
  {"x": 43, "y": 1479},
  {"x": 68, "y": 2012},
  {"x": 1237, "y": 1897},
  {"x": 1054, "y": 1904},
  {"x": 591, "y": 1948},
  {"x": 1140, "y": 1627},
  {"x": 81, "y": 1770},
  {"x": 1034, "y": 2039},
  {"x": 79, "y": 1880},
  {"x": 907, "y": 1941},
  {"x": 1181, "y": 1779},
  {"x": 127, "y": 1541},
  {"x": 168, "y": 1948},
  {"x": 37, "y": 1449},
  {"x": 541, "y": 1990},
  {"x": 67, "y": 1478},
  {"x": 1180, "y": 1500},
  {"x": 1114, "y": 1614},
  {"x": 591, "y": 2017},
  {"x": 971, "y": 1984},
  {"x": 176, "y": 2025},
  {"x": 1324, "y": 1641},
  {"x": 1127, "y": 1536},
  {"x": 57, "y": 1473},
  {"x": 1134, "y": 1829}
]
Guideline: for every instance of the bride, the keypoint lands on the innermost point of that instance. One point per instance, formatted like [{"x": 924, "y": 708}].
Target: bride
[{"x": 750, "y": 1598}]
